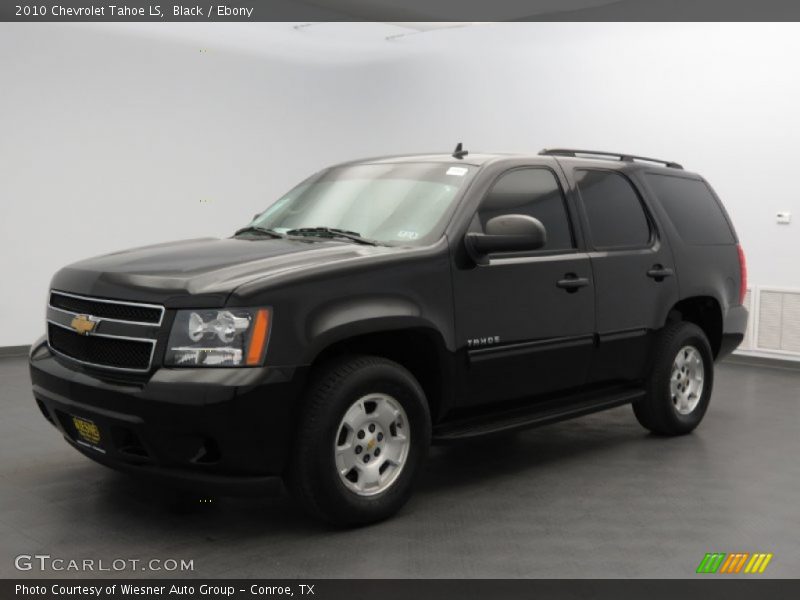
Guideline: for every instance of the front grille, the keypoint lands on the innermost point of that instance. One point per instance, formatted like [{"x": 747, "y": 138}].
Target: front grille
[
  {"x": 107, "y": 309},
  {"x": 109, "y": 334},
  {"x": 101, "y": 351}
]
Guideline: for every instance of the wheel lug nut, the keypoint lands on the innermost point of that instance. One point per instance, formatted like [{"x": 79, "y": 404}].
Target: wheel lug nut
[
  {"x": 361, "y": 434},
  {"x": 366, "y": 458},
  {"x": 371, "y": 427},
  {"x": 380, "y": 437},
  {"x": 358, "y": 449},
  {"x": 377, "y": 451}
]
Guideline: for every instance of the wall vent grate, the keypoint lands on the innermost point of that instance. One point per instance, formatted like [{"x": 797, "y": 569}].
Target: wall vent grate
[{"x": 778, "y": 320}]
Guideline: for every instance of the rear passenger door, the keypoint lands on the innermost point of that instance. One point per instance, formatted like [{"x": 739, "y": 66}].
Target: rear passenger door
[{"x": 635, "y": 282}]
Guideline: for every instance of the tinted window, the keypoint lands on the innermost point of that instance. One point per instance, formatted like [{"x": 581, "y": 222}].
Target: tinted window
[
  {"x": 532, "y": 192},
  {"x": 693, "y": 209},
  {"x": 616, "y": 217}
]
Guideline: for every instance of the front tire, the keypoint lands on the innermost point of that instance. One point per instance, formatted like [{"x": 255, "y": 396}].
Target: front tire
[
  {"x": 363, "y": 435},
  {"x": 680, "y": 381}
]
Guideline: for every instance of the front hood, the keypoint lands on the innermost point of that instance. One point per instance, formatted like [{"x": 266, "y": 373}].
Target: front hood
[{"x": 201, "y": 272}]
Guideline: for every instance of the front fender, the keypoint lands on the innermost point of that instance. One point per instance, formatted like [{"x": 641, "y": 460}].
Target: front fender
[{"x": 345, "y": 319}]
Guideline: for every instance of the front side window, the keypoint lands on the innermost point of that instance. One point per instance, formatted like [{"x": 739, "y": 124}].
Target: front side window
[
  {"x": 403, "y": 203},
  {"x": 533, "y": 192},
  {"x": 615, "y": 213}
]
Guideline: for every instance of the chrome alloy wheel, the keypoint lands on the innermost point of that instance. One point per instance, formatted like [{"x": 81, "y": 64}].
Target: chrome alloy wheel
[
  {"x": 686, "y": 381},
  {"x": 372, "y": 444}
]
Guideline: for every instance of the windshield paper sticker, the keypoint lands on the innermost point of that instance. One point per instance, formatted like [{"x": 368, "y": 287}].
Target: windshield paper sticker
[{"x": 459, "y": 171}]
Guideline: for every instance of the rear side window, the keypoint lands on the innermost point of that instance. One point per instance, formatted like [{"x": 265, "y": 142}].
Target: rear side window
[
  {"x": 534, "y": 192},
  {"x": 615, "y": 213},
  {"x": 693, "y": 209}
]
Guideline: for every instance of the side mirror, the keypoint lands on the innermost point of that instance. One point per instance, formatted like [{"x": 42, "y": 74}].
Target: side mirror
[{"x": 506, "y": 233}]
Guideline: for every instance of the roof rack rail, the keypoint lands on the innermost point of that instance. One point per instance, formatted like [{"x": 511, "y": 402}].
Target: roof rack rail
[{"x": 617, "y": 155}]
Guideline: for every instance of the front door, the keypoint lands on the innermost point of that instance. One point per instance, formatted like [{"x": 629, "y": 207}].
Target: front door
[{"x": 525, "y": 321}]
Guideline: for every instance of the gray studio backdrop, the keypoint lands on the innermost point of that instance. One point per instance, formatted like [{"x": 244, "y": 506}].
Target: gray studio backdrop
[{"x": 120, "y": 135}]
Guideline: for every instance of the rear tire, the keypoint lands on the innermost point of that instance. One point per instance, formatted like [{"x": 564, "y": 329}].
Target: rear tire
[
  {"x": 363, "y": 435},
  {"x": 680, "y": 381}
]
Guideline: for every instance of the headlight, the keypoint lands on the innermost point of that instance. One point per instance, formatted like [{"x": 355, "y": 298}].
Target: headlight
[{"x": 230, "y": 337}]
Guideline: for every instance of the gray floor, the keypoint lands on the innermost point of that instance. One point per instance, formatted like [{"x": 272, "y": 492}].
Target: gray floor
[{"x": 595, "y": 497}]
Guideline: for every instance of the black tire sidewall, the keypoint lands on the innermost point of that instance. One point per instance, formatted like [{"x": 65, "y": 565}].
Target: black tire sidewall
[
  {"x": 336, "y": 502},
  {"x": 686, "y": 334}
]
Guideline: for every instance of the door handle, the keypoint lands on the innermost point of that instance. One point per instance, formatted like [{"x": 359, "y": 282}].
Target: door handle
[
  {"x": 572, "y": 283},
  {"x": 660, "y": 272}
]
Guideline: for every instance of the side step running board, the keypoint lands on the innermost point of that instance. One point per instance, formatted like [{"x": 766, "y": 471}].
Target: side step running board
[{"x": 531, "y": 416}]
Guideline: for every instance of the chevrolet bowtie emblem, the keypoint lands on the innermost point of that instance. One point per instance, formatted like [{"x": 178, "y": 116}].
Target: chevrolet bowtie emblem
[{"x": 83, "y": 324}]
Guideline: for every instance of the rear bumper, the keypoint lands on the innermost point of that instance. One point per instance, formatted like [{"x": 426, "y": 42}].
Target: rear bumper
[
  {"x": 227, "y": 429},
  {"x": 734, "y": 326}
]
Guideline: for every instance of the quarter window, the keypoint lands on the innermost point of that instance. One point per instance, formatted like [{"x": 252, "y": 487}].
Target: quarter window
[
  {"x": 693, "y": 209},
  {"x": 615, "y": 213},
  {"x": 534, "y": 192}
]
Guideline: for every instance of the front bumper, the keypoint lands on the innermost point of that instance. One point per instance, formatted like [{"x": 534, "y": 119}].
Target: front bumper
[{"x": 205, "y": 427}]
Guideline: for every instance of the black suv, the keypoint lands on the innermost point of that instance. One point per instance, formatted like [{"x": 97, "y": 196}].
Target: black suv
[{"x": 385, "y": 304}]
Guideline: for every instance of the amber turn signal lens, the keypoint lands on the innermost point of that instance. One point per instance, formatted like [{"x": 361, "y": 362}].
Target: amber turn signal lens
[{"x": 258, "y": 340}]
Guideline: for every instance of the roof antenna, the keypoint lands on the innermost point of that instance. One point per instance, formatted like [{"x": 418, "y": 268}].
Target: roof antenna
[{"x": 459, "y": 152}]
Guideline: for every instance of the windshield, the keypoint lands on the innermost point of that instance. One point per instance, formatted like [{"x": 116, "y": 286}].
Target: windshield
[{"x": 390, "y": 203}]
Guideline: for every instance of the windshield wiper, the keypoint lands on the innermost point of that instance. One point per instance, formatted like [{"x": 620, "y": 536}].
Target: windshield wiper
[
  {"x": 334, "y": 232},
  {"x": 260, "y": 230}
]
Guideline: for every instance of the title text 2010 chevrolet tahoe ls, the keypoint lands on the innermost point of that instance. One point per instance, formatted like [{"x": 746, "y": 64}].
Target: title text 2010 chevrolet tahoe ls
[{"x": 385, "y": 304}]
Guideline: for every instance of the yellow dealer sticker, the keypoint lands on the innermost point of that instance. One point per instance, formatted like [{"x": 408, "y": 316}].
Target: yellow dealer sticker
[{"x": 87, "y": 431}]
